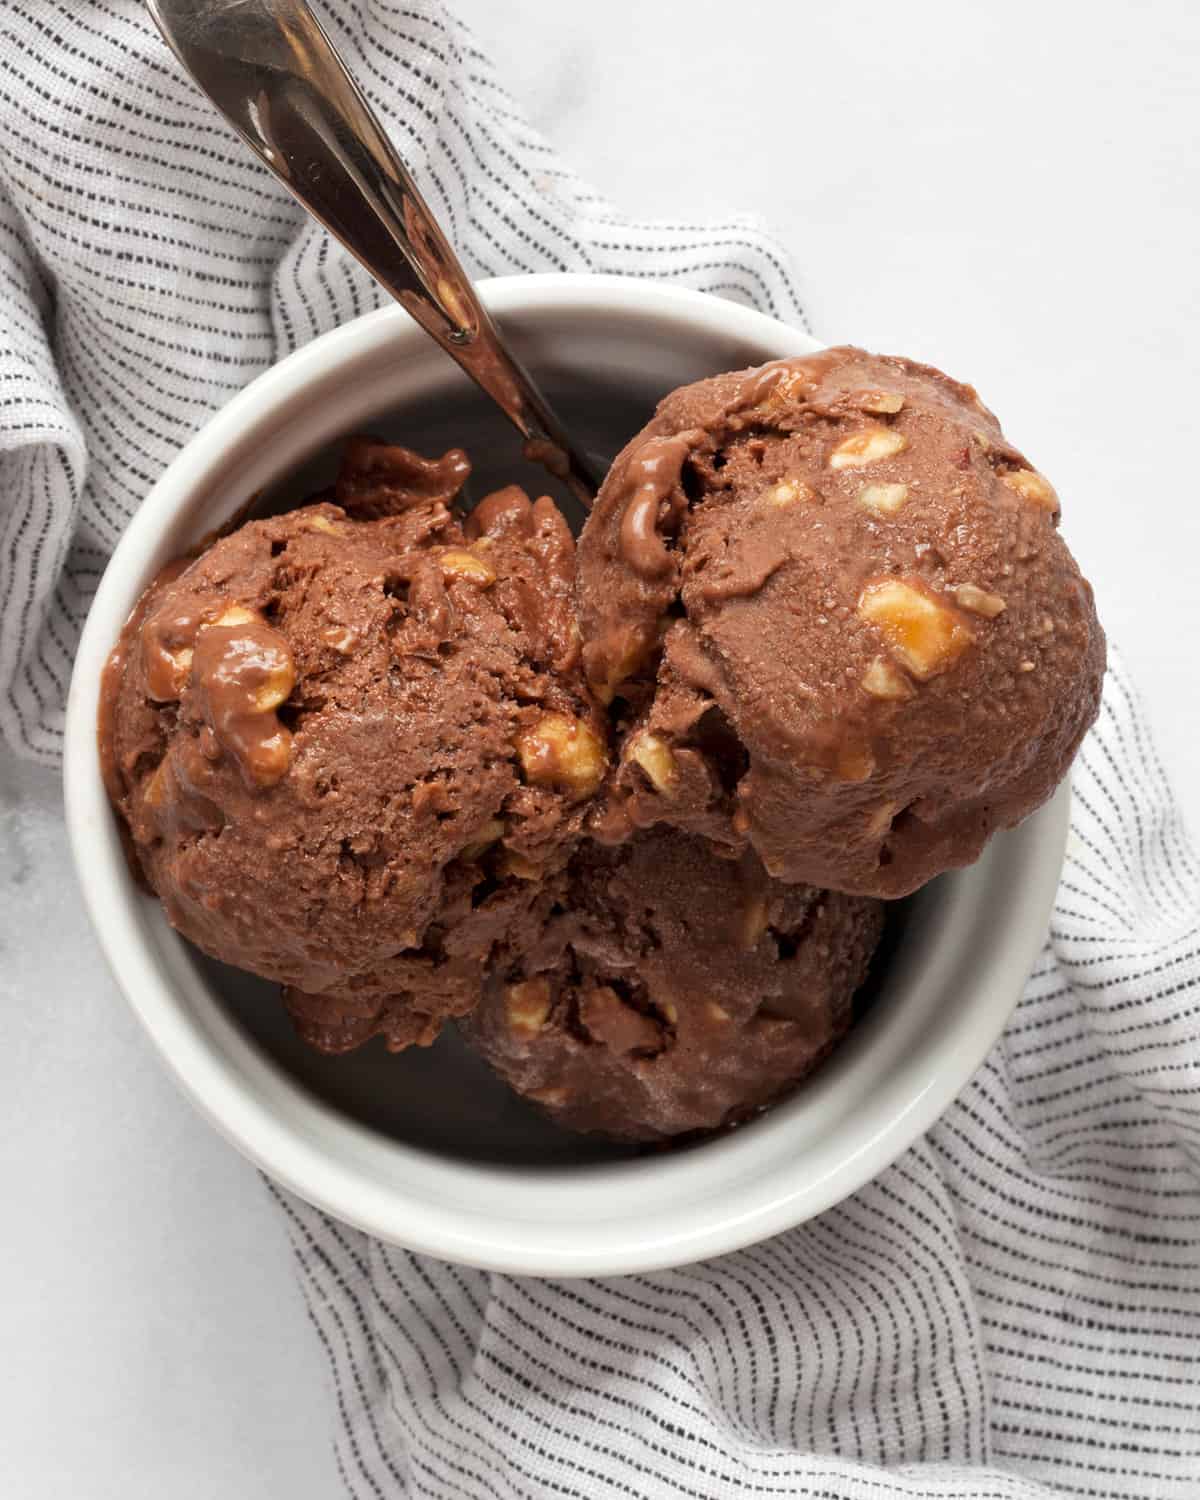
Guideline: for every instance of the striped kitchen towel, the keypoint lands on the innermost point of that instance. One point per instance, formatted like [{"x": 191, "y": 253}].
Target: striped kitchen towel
[
  {"x": 1010, "y": 1311},
  {"x": 1013, "y": 1309}
]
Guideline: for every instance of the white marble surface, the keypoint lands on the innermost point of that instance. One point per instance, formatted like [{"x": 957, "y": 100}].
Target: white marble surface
[
  {"x": 1010, "y": 191},
  {"x": 155, "y": 1343}
]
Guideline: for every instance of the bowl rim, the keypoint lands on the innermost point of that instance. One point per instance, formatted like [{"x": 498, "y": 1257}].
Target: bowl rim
[{"x": 251, "y": 1103}]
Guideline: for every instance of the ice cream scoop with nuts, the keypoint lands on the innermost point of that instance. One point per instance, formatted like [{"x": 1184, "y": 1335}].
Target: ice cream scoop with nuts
[
  {"x": 830, "y": 609},
  {"x": 345, "y": 750},
  {"x": 666, "y": 990}
]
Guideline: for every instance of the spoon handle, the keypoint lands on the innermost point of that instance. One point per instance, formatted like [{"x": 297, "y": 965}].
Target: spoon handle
[{"x": 271, "y": 70}]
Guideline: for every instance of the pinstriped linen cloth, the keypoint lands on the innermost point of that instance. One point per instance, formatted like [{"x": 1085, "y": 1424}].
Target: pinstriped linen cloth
[{"x": 1013, "y": 1309}]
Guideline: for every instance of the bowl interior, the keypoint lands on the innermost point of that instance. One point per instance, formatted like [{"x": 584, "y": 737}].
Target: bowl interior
[{"x": 426, "y": 1149}]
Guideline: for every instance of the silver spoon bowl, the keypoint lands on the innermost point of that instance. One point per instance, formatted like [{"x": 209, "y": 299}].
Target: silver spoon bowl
[{"x": 271, "y": 70}]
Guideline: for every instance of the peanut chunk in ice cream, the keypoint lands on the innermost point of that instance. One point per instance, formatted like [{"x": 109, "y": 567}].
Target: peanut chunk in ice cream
[
  {"x": 457, "y": 564},
  {"x": 870, "y": 446},
  {"x": 563, "y": 752},
  {"x": 527, "y": 1005},
  {"x": 883, "y": 403},
  {"x": 883, "y": 499},
  {"x": 652, "y": 753},
  {"x": 979, "y": 601},
  {"x": 243, "y": 670},
  {"x": 1032, "y": 486},
  {"x": 924, "y": 635},
  {"x": 788, "y": 492},
  {"x": 883, "y": 679}
]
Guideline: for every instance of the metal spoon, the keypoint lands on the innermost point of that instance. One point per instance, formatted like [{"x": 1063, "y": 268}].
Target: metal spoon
[{"x": 271, "y": 70}]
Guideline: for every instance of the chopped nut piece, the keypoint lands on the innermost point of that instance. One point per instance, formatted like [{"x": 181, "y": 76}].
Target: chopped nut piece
[
  {"x": 787, "y": 492},
  {"x": 277, "y": 687},
  {"x": 716, "y": 1012},
  {"x": 881, "y": 819},
  {"x": 527, "y": 1005},
  {"x": 979, "y": 601},
  {"x": 277, "y": 684},
  {"x": 883, "y": 679},
  {"x": 321, "y": 523},
  {"x": 670, "y": 1014},
  {"x": 883, "y": 499},
  {"x": 1032, "y": 486},
  {"x": 488, "y": 834},
  {"x": 466, "y": 566},
  {"x": 867, "y": 447},
  {"x": 781, "y": 387},
  {"x": 1027, "y": 666},
  {"x": 242, "y": 671},
  {"x": 925, "y": 635},
  {"x": 236, "y": 614},
  {"x": 885, "y": 403},
  {"x": 340, "y": 638},
  {"x": 564, "y": 752},
  {"x": 653, "y": 755}
]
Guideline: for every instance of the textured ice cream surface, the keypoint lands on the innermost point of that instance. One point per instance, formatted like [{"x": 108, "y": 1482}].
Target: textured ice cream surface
[
  {"x": 830, "y": 607},
  {"x": 670, "y": 990},
  {"x": 344, "y": 750}
]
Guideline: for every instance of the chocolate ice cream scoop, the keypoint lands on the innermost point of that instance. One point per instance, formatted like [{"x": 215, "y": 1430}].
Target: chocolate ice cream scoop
[
  {"x": 345, "y": 750},
  {"x": 669, "y": 990},
  {"x": 831, "y": 608}
]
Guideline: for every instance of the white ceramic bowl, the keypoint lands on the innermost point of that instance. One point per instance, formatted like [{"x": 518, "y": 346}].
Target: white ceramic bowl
[{"x": 426, "y": 1149}]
